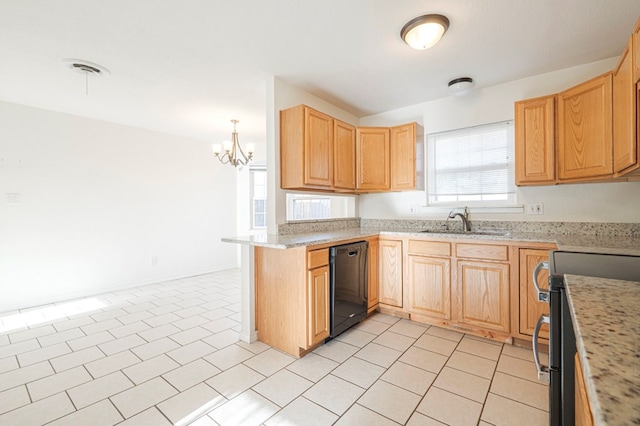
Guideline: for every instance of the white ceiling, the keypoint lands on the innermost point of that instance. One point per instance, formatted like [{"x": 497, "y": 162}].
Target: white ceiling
[{"x": 187, "y": 67}]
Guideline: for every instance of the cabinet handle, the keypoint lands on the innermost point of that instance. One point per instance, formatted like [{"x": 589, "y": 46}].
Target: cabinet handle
[
  {"x": 543, "y": 370},
  {"x": 543, "y": 296}
]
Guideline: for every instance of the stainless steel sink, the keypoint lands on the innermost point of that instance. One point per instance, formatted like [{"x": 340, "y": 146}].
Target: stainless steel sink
[{"x": 489, "y": 232}]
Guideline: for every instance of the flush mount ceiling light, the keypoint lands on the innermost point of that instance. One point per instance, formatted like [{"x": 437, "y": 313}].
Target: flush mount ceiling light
[
  {"x": 233, "y": 153},
  {"x": 424, "y": 31},
  {"x": 460, "y": 86},
  {"x": 87, "y": 69}
]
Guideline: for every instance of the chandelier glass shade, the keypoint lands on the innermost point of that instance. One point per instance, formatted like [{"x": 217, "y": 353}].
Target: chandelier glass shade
[{"x": 233, "y": 153}]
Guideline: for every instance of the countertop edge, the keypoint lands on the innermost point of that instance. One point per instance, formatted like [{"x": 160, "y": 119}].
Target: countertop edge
[
  {"x": 579, "y": 243},
  {"x": 594, "y": 401}
]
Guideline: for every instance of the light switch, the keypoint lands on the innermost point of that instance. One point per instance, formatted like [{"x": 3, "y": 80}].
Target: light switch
[{"x": 12, "y": 197}]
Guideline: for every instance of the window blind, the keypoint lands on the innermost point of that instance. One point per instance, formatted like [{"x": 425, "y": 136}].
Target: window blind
[{"x": 473, "y": 164}]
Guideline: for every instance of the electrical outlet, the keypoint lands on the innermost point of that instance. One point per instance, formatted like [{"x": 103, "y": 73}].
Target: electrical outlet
[
  {"x": 154, "y": 260},
  {"x": 535, "y": 208},
  {"x": 415, "y": 209}
]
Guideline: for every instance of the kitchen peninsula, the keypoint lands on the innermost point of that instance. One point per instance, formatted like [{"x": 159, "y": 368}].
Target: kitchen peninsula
[
  {"x": 608, "y": 238},
  {"x": 519, "y": 242}
]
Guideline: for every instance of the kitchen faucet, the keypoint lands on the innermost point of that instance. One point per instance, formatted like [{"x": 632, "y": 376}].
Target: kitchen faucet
[{"x": 466, "y": 225}]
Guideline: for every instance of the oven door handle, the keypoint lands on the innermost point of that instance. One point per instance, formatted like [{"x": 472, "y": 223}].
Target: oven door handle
[
  {"x": 543, "y": 370},
  {"x": 543, "y": 296}
]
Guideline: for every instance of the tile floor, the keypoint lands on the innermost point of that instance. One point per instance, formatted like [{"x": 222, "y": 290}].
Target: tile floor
[{"x": 169, "y": 353}]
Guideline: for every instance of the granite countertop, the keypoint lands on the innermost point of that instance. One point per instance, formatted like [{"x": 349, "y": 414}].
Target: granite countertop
[
  {"x": 299, "y": 240},
  {"x": 582, "y": 243},
  {"x": 607, "y": 324}
]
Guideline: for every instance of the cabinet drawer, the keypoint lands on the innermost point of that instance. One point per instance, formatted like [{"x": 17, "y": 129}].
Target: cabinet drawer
[
  {"x": 433, "y": 248},
  {"x": 482, "y": 251},
  {"x": 317, "y": 258}
]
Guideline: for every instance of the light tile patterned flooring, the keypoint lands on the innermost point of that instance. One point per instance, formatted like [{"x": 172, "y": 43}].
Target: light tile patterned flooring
[{"x": 169, "y": 353}]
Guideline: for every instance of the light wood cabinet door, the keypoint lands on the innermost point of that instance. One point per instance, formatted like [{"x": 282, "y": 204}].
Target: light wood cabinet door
[
  {"x": 583, "y": 416},
  {"x": 530, "y": 308},
  {"x": 403, "y": 157},
  {"x": 584, "y": 131},
  {"x": 318, "y": 305},
  {"x": 429, "y": 286},
  {"x": 306, "y": 149},
  {"x": 372, "y": 296},
  {"x": 483, "y": 295},
  {"x": 344, "y": 156},
  {"x": 535, "y": 146},
  {"x": 373, "y": 160},
  {"x": 636, "y": 52},
  {"x": 318, "y": 148},
  {"x": 390, "y": 272},
  {"x": 625, "y": 146}
]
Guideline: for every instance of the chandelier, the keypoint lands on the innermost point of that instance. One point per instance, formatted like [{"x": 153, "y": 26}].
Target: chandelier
[{"x": 233, "y": 153}]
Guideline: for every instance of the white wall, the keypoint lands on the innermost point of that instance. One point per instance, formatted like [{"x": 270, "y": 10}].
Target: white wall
[
  {"x": 98, "y": 200},
  {"x": 610, "y": 202}
]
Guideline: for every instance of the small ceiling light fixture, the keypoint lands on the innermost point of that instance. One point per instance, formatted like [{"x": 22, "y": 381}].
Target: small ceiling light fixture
[
  {"x": 233, "y": 153},
  {"x": 461, "y": 86},
  {"x": 86, "y": 68},
  {"x": 424, "y": 31}
]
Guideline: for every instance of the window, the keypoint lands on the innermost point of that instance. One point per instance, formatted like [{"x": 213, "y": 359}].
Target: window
[
  {"x": 310, "y": 208},
  {"x": 258, "y": 197},
  {"x": 473, "y": 166},
  {"x": 319, "y": 206}
]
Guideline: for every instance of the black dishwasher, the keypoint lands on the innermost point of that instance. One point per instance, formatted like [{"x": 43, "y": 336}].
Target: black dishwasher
[{"x": 349, "y": 285}]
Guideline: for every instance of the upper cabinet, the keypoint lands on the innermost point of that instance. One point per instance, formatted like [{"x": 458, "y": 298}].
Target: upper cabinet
[
  {"x": 344, "y": 156},
  {"x": 566, "y": 137},
  {"x": 593, "y": 132},
  {"x": 321, "y": 153},
  {"x": 306, "y": 149},
  {"x": 625, "y": 146},
  {"x": 403, "y": 156},
  {"x": 584, "y": 130},
  {"x": 373, "y": 159},
  {"x": 535, "y": 135},
  {"x": 636, "y": 52}
]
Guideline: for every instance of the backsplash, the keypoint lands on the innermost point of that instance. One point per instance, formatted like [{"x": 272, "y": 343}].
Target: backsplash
[
  {"x": 325, "y": 225},
  {"x": 560, "y": 228}
]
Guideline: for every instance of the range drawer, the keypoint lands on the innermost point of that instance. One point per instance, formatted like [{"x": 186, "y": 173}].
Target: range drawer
[{"x": 482, "y": 251}]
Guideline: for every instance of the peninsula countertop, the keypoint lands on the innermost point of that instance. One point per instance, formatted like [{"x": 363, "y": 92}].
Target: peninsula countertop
[
  {"x": 569, "y": 242},
  {"x": 606, "y": 320}
]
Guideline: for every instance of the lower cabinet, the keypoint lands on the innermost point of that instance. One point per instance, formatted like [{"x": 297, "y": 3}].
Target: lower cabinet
[
  {"x": 293, "y": 293},
  {"x": 483, "y": 295},
  {"x": 390, "y": 276},
  {"x": 429, "y": 288},
  {"x": 318, "y": 304},
  {"x": 292, "y": 297},
  {"x": 460, "y": 284},
  {"x": 484, "y": 288},
  {"x": 373, "y": 270},
  {"x": 530, "y": 308}
]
